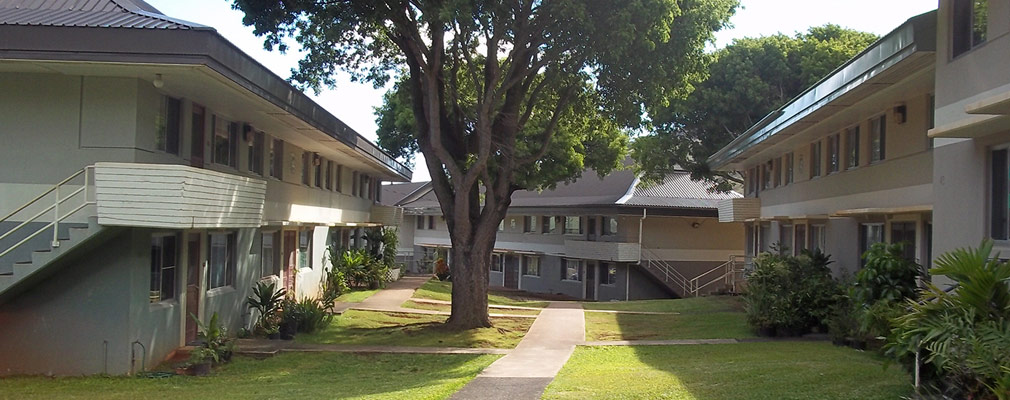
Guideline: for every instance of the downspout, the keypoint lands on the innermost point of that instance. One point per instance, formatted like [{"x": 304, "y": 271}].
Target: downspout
[{"x": 627, "y": 280}]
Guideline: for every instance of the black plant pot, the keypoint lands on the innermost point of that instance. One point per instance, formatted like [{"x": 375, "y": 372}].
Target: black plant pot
[
  {"x": 202, "y": 369},
  {"x": 857, "y": 344},
  {"x": 766, "y": 331},
  {"x": 274, "y": 336},
  {"x": 288, "y": 330}
]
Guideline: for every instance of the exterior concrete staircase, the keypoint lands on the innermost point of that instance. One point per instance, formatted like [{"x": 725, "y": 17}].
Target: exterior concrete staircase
[
  {"x": 728, "y": 277},
  {"x": 31, "y": 269}
]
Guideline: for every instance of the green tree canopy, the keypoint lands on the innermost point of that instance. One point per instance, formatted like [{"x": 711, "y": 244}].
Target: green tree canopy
[
  {"x": 749, "y": 79},
  {"x": 503, "y": 95}
]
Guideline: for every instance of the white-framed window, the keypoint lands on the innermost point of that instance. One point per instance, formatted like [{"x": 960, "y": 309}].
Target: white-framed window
[
  {"x": 852, "y": 147},
  {"x": 225, "y": 142},
  {"x": 277, "y": 158},
  {"x": 834, "y": 153},
  {"x": 969, "y": 25},
  {"x": 818, "y": 236},
  {"x": 815, "y": 159},
  {"x": 531, "y": 265},
  {"x": 221, "y": 259},
  {"x": 766, "y": 175},
  {"x": 168, "y": 125},
  {"x": 608, "y": 274},
  {"x": 573, "y": 225},
  {"x": 777, "y": 172},
  {"x": 431, "y": 222},
  {"x": 255, "y": 159},
  {"x": 787, "y": 169},
  {"x": 269, "y": 254},
  {"x": 529, "y": 224},
  {"x": 999, "y": 193},
  {"x": 548, "y": 224},
  {"x": 609, "y": 226},
  {"x": 164, "y": 260},
  {"x": 786, "y": 239},
  {"x": 878, "y": 138},
  {"x": 800, "y": 238},
  {"x": 317, "y": 170},
  {"x": 571, "y": 269},
  {"x": 304, "y": 248},
  {"x": 869, "y": 234}
]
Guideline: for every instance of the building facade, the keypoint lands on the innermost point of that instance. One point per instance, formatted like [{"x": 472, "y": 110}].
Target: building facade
[
  {"x": 153, "y": 173},
  {"x": 595, "y": 239}
]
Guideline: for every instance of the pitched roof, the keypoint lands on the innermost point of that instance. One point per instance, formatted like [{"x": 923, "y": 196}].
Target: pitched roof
[
  {"x": 393, "y": 193},
  {"x": 89, "y": 13}
]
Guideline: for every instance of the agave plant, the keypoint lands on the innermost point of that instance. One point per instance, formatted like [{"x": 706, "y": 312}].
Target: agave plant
[{"x": 965, "y": 332}]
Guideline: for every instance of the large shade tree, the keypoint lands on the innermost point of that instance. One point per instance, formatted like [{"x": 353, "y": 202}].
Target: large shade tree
[
  {"x": 502, "y": 95},
  {"x": 749, "y": 79}
]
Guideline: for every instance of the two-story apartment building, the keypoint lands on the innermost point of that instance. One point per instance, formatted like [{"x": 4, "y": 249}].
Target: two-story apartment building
[
  {"x": 152, "y": 174},
  {"x": 848, "y": 162},
  {"x": 597, "y": 239}
]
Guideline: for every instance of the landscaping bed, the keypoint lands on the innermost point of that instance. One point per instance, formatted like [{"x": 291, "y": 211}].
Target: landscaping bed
[
  {"x": 301, "y": 375},
  {"x": 775, "y": 370},
  {"x": 356, "y": 327}
]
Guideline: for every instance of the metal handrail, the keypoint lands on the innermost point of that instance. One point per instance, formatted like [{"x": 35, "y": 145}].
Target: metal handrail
[
  {"x": 729, "y": 272},
  {"x": 54, "y": 207},
  {"x": 668, "y": 271}
]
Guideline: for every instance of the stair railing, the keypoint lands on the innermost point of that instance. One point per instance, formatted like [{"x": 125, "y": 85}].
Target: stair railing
[
  {"x": 665, "y": 271},
  {"x": 730, "y": 272},
  {"x": 58, "y": 213}
]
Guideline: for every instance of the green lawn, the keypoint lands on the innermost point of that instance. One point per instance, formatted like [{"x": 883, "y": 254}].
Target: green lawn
[
  {"x": 356, "y": 327},
  {"x": 291, "y": 375},
  {"x": 717, "y": 325},
  {"x": 447, "y": 308},
  {"x": 438, "y": 290},
  {"x": 356, "y": 295},
  {"x": 774, "y": 370},
  {"x": 689, "y": 305}
]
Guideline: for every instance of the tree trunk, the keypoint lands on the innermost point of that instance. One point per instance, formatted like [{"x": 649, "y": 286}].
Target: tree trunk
[{"x": 469, "y": 266}]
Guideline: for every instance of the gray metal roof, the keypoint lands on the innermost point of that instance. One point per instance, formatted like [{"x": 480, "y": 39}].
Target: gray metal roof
[
  {"x": 679, "y": 191},
  {"x": 88, "y": 13},
  {"x": 393, "y": 193},
  {"x": 915, "y": 36}
]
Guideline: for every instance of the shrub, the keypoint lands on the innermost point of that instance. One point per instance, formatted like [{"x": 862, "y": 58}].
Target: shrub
[
  {"x": 266, "y": 299},
  {"x": 964, "y": 334},
  {"x": 306, "y": 316},
  {"x": 217, "y": 345},
  {"x": 790, "y": 294},
  {"x": 887, "y": 276}
]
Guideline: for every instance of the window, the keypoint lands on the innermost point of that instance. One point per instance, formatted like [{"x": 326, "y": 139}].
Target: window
[
  {"x": 765, "y": 238},
  {"x": 531, "y": 265},
  {"x": 787, "y": 169},
  {"x": 878, "y": 138},
  {"x": 365, "y": 188},
  {"x": 496, "y": 263},
  {"x": 815, "y": 159},
  {"x": 329, "y": 175},
  {"x": 609, "y": 226},
  {"x": 573, "y": 225},
  {"x": 354, "y": 183},
  {"x": 999, "y": 206},
  {"x": 817, "y": 237},
  {"x": 777, "y": 172},
  {"x": 868, "y": 235},
  {"x": 420, "y": 222},
  {"x": 529, "y": 224},
  {"x": 904, "y": 233},
  {"x": 255, "y": 151},
  {"x": 222, "y": 259},
  {"x": 225, "y": 142},
  {"x": 852, "y": 147},
  {"x": 800, "y": 240},
  {"x": 317, "y": 170},
  {"x": 970, "y": 25},
  {"x": 833, "y": 153},
  {"x": 338, "y": 183},
  {"x": 785, "y": 239},
  {"x": 168, "y": 125},
  {"x": 304, "y": 248},
  {"x": 608, "y": 275},
  {"x": 548, "y": 224},
  {"x": 163, "y": 262},
  {"x": 269, "y": 254},
  {"x": 277, "y": 158},
  {"x": 571, "y": 270},
  {"x": 431, "y": 222},
  {"x": 766, "y": 176}
]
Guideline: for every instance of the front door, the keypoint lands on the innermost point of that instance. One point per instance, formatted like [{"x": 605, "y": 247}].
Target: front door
[
  {"x": 196, "y": 149},
  {"x": 290, "y": 260},
  {"x": 512, "y": 272},
  {"x": 194, "y": 272},
  {"x": 590, "y": 281}
]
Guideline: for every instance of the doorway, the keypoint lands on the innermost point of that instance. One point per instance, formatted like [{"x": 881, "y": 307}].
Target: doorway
[
  {"x": 511, "y": 271},
  {"x": 904, "y": 232},
  {"x": 196, "y": 148},
  {"x": 194, "y": 268},
  {"x": 290, "y": 260},
  {"x": 590, "y": 281}
]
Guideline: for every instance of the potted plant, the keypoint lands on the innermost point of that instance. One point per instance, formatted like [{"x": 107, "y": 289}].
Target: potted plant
[
  {"x": 200, "y": 361},
  {"x": 266, "y": 299},
  {"x": 289, "y": 320},
  {"x": 273, "y": 332},
  {"x": 441, "y": 270}
]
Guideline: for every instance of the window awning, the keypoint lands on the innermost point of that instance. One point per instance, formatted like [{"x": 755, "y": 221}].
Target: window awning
[{"x": 889, "y": 210}]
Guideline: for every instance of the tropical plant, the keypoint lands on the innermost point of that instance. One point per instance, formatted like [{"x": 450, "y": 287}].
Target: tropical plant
[
  {"x": 215, "y": 338},
  {"x": 307, "y": 315},
  {"x": 334, "y": 280},
  {"x": 266, "y": 299},
  {"x": 963, "y": 333},
  {"x": 790, "y": 295},
  {"x": 390, "y": 241},
  {"x": 442, "y": 270},
  {"x": 888, "y": 275}
]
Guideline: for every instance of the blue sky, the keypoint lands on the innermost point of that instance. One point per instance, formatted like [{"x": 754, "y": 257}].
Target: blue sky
[{"x": 353, "y": 102}]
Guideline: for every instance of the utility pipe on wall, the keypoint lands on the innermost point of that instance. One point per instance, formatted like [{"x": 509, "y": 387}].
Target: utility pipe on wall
[{"x": 627, "y": 279}]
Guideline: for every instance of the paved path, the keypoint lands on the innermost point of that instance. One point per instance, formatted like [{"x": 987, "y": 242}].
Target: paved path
[
  {"x": 526, "y": 371},
  {"x": 271, "y": 347},
  {"x": 395, "y": 293}
]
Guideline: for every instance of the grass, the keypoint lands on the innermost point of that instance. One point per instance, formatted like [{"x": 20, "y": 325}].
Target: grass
[
  {"x": 291, "y": 375},
  {"x": 438, "y": 290},
  {"x": 773, "y": 370},
  {"x": 446, "y": 308},
  {"x": 356, "y": 327},
  {"x": 356, "y": 295},
  {"x": 690, "y": 305},
  {"x": 698, "y": 318}
]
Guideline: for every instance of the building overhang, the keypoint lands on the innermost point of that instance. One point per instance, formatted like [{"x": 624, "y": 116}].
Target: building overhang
[
  {"x": 904, "y": 51},
  {"x": 972, "y": 126},
  {"x": 856, "y": 212}
]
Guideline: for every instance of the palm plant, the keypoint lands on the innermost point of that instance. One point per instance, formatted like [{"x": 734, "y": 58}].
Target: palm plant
[
  {"x": 266, "y": 299},
  {"x": 965, "y": 332}
]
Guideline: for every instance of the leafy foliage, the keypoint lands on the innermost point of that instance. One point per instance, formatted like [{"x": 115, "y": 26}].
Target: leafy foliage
[
  {"x": 748, "y": 79},
  {"x": 790, "y": 294},
  {"x": 307, "y": 315},
  {"x": 266, "y": 299},
  {"x": 965, "y": 333},
  {"x": 217, "y": 345},
  {"x": 887, "y": 275}
]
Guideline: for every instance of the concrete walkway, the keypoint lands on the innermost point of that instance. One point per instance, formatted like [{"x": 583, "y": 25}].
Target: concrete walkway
[
  {"x": 526, "y": 371},
  {"x": 263, "y": 347},
  {"x": 394, "y": 294}
]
